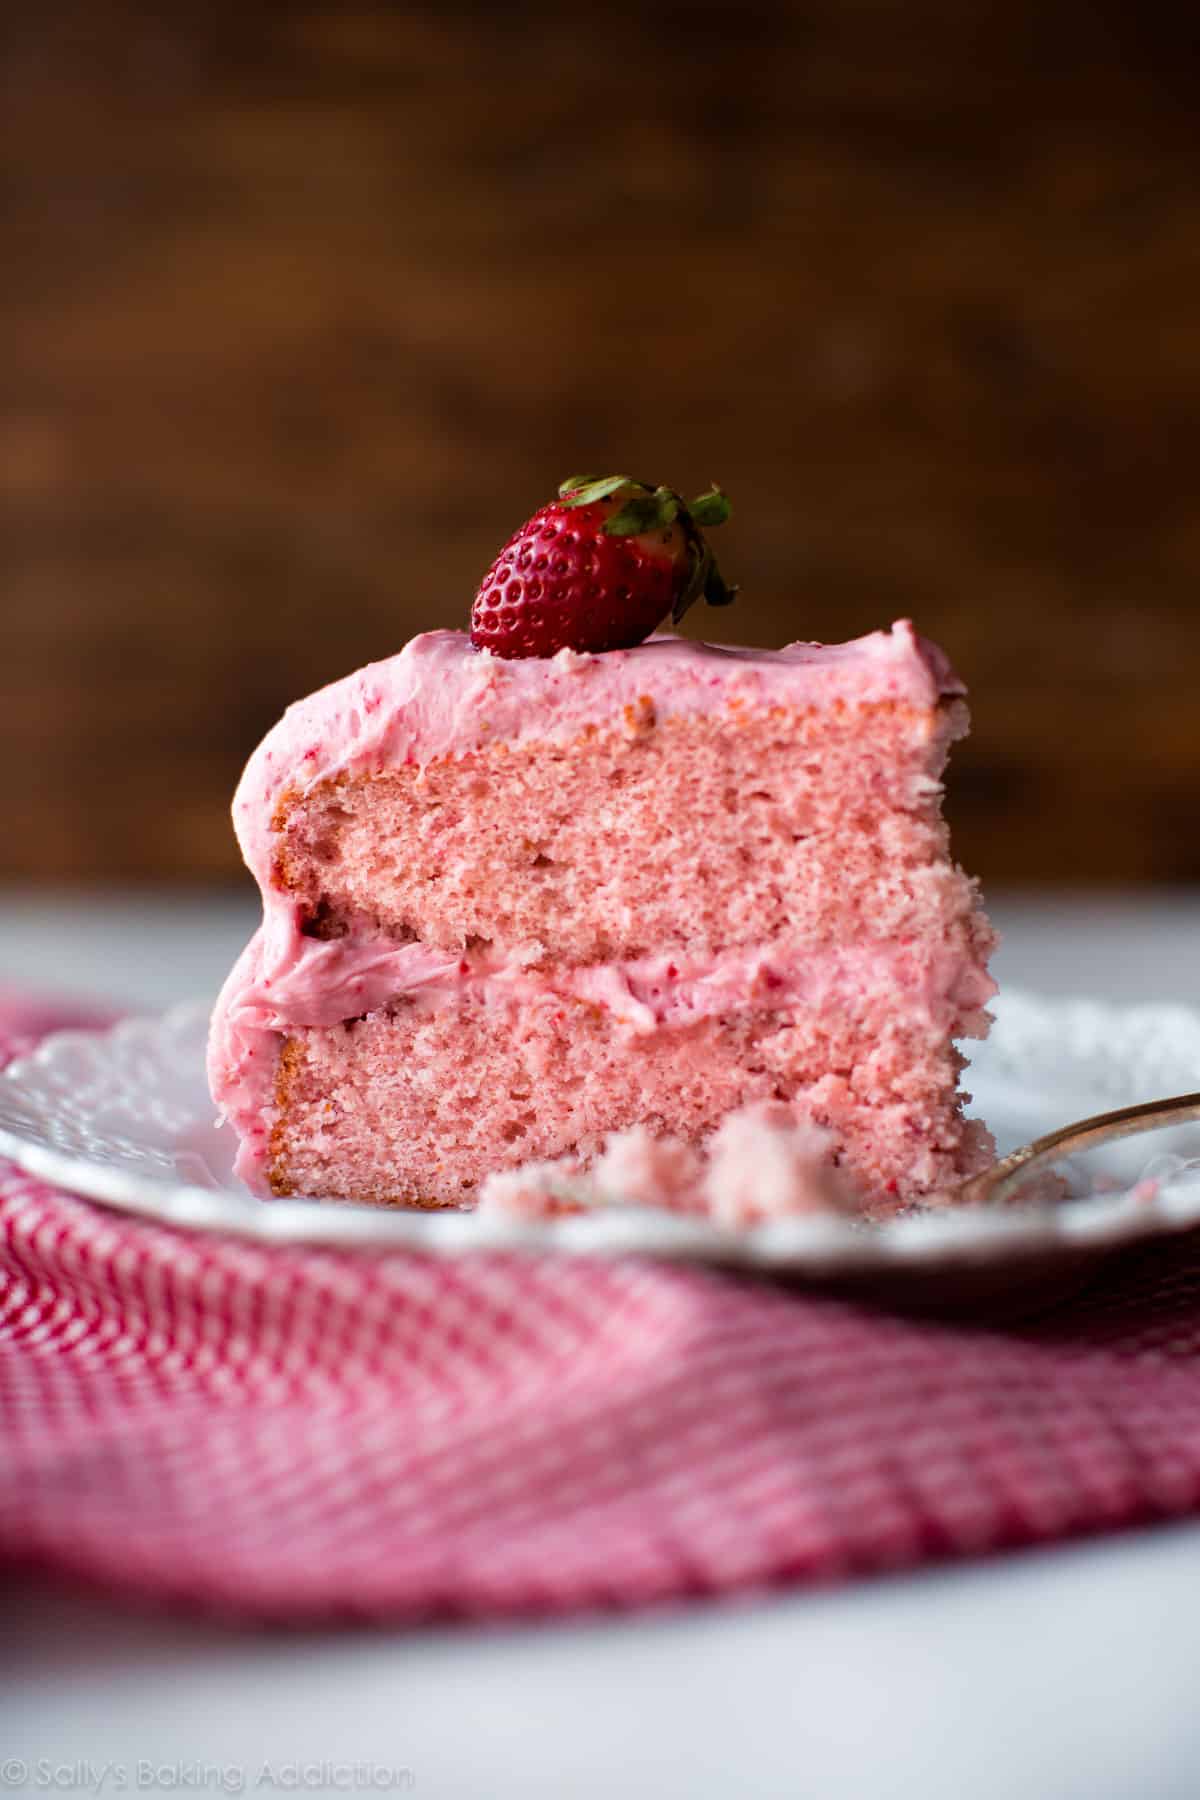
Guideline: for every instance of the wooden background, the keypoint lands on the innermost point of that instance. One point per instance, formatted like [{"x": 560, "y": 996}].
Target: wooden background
[{"x": 305, "y": 308}]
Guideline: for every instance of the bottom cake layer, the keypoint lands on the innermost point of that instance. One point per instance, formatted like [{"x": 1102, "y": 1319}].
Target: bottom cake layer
[{"x": 416, "y": 1103}]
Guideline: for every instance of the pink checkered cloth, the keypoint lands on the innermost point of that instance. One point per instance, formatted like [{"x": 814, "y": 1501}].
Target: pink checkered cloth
[{"x": 299, "y": 1434}]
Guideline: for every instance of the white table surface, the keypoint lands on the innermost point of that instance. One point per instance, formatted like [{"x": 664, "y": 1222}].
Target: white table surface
[{"x": 1051, "y": 1674}]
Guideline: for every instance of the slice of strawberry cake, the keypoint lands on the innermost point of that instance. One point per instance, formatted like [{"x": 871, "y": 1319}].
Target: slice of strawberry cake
[{"x": 526, "y": 892}]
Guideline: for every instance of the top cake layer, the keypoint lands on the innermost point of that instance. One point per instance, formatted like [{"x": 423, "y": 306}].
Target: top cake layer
[
  {"x": 441, "y": 697},
  {"x": 590, "y": 807}
]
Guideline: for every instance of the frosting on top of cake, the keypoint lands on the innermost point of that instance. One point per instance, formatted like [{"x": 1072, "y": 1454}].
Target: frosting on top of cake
[{"x": 439, "y": 696}]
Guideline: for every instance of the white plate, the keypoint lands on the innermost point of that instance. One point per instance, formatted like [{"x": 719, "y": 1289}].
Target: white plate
[{"x": 124, "y": 1117}]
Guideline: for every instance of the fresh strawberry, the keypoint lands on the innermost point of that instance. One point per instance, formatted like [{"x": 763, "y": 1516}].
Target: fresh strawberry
[{"x": 599, "y": 568}]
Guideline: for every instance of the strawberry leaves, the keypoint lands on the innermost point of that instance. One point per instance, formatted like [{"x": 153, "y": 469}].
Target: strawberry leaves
[
  {"x": 711, "y": 507},
  {"x": 644, "y": 512},
  {"x": 585, "y": 490}
]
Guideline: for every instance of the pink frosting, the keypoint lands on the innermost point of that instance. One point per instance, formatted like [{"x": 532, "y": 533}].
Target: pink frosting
[{"x": 441, "y": 697}]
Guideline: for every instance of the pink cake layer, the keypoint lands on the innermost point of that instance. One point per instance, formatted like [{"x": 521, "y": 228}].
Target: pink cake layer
[
  {"x": 453, "y": 1025},
  {"x": 439, "y": 697},
  {"x": 450, "y": 797},
  {"x": 813, "y": 824},
  {"x": 419, "y": 1102}
]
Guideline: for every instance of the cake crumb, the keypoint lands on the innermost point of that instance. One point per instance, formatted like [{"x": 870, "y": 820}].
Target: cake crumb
[
  {"x": 637, "y": 1167},
  {"x": 536, "y": 1190},
  {"x": 763, "y": 1163}
]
